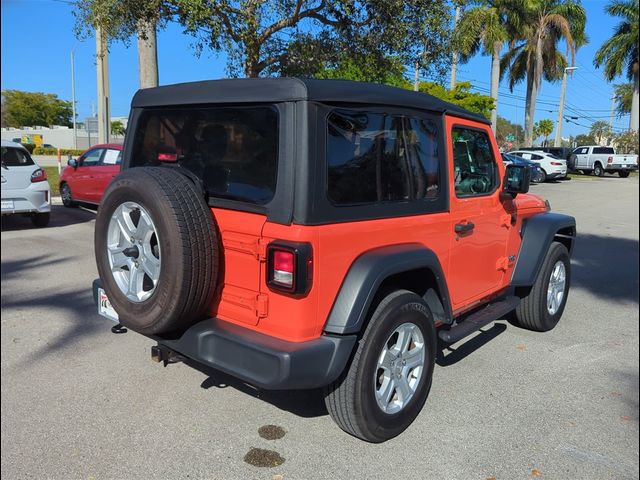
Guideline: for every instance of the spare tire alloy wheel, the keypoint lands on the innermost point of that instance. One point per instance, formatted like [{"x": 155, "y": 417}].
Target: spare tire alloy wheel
[{"x": 133, "y": 251}]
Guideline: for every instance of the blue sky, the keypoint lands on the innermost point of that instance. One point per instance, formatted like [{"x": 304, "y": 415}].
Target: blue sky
[{"x": 37, "y": 39}]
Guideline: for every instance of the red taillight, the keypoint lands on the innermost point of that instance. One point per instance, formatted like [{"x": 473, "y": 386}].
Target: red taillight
[
  {"x": 558, "y": 164},
  {"x": 289, "y": 267},
  {"x": 168, "y": 157},
  {"x": 283, "y": 265},
  {"x": 610, "y": 160},
  {"x": 38, "y": 176}
]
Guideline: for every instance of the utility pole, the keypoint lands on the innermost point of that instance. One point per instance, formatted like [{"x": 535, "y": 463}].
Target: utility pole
[
  {"x": 102, "y": 61},
  {"x": 73, "y": 100},
  {"x": 563, "y": 91},
  {"x": 416, "y": 77},
  {"x": 613, "y": 109}
]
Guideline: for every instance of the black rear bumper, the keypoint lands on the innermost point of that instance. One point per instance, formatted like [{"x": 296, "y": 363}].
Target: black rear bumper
[{"x": 259, "y": 359}]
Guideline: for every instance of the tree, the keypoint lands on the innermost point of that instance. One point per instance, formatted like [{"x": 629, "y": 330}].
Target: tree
[
  {"x": 487, "y": 27},
  {"x": 620, "y": 52},
  {"x": 34, "y": 108},
  {"x": 600, "y": 131},
  {"x": 461, "y": 95},
  {"x": 623, "y": 95},
  {"x": 583, "y": 139},
  {"x": 117, "y": 128},
  {"x": 534, "y": 53},
  {"x": 627, "y": 142},
  {"x": 119, "y": 20},
  {"x": 388, "y": 71},
  {"x": 544, "y": 128},
  {"x": 509, "y": 135}
]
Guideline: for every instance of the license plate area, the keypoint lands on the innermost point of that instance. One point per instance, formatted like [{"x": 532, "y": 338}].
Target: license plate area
[
  {"x": 105, "y": 308},
  {"x": 7, "y": 205}
]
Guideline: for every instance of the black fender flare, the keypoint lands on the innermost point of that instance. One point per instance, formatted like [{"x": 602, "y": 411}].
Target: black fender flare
[
  {"x": 366, "y": 274},
  {"x": 537, "y": 234}
]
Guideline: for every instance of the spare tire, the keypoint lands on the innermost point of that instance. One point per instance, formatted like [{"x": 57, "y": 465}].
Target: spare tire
[{"x": 156, "y": 248}]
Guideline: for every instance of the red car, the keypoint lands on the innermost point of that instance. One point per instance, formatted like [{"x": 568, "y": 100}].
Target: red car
[{"x": 85, "y": 179}]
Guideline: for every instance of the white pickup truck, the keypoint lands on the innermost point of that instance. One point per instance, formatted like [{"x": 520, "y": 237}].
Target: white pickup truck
[{"x": 601, "y": 160}]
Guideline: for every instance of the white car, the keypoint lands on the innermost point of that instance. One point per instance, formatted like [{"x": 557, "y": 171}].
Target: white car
[
  {"x": 551, "y": 166},
  {"x": 25, "y": 189}
]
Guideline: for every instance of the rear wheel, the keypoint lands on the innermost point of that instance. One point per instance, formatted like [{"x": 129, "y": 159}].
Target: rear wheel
[
  {"x": 40, "y": 219},
  {"x": 542, "y": 308},
  {"x": 623, "y": 173},
  {"x": 67, "y": 197},
  {"x": 387, "y": 383},
  {"x": 598, "y": 171},
  {"x": 543, "y": 176}
]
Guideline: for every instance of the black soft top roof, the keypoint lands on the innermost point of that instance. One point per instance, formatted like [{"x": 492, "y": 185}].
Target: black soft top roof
[{"x": 263, "y": 90}]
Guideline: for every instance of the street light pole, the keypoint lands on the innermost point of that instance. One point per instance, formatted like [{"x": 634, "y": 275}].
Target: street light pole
[
  {"x": 73, "y": 99},
  {"x": 563, "y": 91}
]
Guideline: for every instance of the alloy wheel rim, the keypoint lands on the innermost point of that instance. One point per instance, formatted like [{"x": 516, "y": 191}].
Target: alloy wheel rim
[
  {"x": 66, "y": 193},
  {"x": 555, "y": 290},
  {"x": 133, "y": 250},
  {"x": 400, "y": 368}
]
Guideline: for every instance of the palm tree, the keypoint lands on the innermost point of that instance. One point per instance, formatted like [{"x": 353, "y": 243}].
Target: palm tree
[
  {"x": 488, "y": 27},
  {"x": 534, "y": 54},
  {"x": 620, "y": 52}
]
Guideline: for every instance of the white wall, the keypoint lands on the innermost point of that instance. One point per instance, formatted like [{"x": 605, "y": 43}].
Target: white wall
[{"x": 59, "y": 137}]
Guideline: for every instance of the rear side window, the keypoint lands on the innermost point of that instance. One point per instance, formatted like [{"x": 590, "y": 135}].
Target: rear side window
[
  {"x": 603, "y": 150},
  {"x": 234, "y": 150},
  {"x": 475, "y": 168},
  {"x": 379, "y": 157},
  {"x": 14, "y": 157},
  {"x": 112, "y": 157}
]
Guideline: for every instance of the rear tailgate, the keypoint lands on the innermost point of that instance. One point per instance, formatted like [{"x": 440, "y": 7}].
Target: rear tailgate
[
  {"x": 625, "y": 161},
  {"x": 16, "y": 178}
]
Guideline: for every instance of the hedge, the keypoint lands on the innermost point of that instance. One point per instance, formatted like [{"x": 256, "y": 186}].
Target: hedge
[
  {"x": 29, "y": 146},
  {"x": 54, "y": 151}
]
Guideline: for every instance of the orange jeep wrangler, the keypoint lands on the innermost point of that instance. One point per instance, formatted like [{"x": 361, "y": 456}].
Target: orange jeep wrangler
[{"x": 321, "y": 233}]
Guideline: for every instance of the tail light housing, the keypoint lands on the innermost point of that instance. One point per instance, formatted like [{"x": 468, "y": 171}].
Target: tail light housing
[
  {"x": 557, "y": 164},
  {"x": 610, "y": 160},
  {"x": 289, "y": 267},
  {"x": 38, "y": 175}
]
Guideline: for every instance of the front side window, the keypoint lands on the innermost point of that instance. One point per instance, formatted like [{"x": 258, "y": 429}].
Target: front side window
[
  {"x": 475, "y": 169},
  {"x": 234, "y": 150},
  {"x": 380, "y": 157},
  {"x": 92, "y": 158}
]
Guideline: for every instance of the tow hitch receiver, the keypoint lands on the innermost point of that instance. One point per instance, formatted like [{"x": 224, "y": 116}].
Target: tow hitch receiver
[{"x": 164, "y": 355}]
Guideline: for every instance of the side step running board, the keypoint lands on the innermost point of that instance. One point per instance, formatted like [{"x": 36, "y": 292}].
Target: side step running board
[{"x": 479, "y": 319}]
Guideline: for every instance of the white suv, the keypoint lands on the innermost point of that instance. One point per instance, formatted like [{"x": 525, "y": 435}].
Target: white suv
[
  {"x": 25, "y": 189},
  {"x": 552, "y": 167}
]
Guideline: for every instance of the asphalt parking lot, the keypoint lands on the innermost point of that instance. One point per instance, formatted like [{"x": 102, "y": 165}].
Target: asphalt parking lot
[{"x": 81, "y": 402}]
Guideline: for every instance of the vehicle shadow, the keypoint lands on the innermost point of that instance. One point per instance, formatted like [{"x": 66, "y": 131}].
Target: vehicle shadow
[
  {"x": 606, "y": 267},
  {"x": 60, "y": 217},
  {"x": 302, "y": 403},
  {"x": 447, "y": 355}
]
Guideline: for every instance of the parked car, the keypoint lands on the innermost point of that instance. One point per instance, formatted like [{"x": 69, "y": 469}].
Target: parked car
[
  {"x": 47, "y": 145},
  {"x": 25, "y": 189},
  {"x": 560, "y": 152},
  {"x": 322, "y": 233},
  {"x": 536, "y": 172},
  {"x": 601, "y": 160},
  {"x": 552, "y": 167},
  {"x": 84, "y": 180}
]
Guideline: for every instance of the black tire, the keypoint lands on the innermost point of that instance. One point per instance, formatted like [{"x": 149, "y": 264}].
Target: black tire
[
  {"x": 67, "y": 196},
  {"x": 532, "y": 313},
  {"x": 187, "y": 238},
  {"x": 543, "y": 176},
  {"x": 623, "y": 173},
  {"x": 598, "y": 171},
  {"x": 351, "y": 400},
  {"x": 571, "y": 162},
  {"x": 40, "y": 220}
]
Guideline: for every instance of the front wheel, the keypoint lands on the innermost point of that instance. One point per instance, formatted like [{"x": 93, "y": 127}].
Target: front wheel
[
  {"x": 387, "y": 383},
  {"x": 542, "y": 308},
  {"x": 623, "y": 174},
  {"x": 598, "y": 171}
]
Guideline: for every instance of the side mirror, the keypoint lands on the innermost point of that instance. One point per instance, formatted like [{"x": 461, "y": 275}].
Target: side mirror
[
  {"x": 517, "y": 179},
  {"x": 73, "y": 163}
]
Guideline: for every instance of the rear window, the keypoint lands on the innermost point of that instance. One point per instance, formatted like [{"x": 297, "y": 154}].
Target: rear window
[
  {"x": 14, "y": 157},
  {"x": 603, "y": 150},
  {"x": 234, "y": 150}
]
